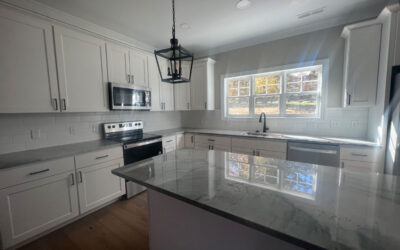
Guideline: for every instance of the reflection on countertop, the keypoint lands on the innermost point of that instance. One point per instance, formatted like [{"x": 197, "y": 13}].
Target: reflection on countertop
[{"x": 324, "y": 206}]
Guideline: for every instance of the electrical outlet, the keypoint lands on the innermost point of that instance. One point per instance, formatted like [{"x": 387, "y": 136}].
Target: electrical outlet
[
  {"x": 35, "y": 133},
  {"x": 335, "y": 124},
  {"x": 355, "y": 124}
]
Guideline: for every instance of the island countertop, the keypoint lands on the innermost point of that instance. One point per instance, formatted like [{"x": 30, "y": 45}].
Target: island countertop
[{"x": 310, "y": 205}]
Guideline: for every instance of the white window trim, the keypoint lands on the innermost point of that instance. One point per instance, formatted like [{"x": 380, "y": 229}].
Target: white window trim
[{"x": 324, "y": 89}]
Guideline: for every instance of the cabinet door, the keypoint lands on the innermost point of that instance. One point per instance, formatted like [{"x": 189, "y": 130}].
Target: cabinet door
[
  {"x": 31, "y": 208},
  {"x": 271, "y": 154},
  {"x": 97, "y": 185},
  {"x": 118, "y": 63},
  {"x": 182, "y": 91},
  {"x": 243, "y": 150},
  {"x": 138, "y": 62},
  {"x": 198, "y": 90},
  {"x": 225, "y": 148},
  {"x": 180, "y": 141},
  {"x": 362, "y": 65},
  {"x": 28, "y": 77},
  {"x": 81, "y": 61},
  {"x": 154, "y": 84},
  {"x": 166, "y": 90},
  {"x": 189, "y": 140}
]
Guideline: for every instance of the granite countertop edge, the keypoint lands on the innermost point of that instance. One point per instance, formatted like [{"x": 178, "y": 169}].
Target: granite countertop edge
[{"x": 287, "y": 137}]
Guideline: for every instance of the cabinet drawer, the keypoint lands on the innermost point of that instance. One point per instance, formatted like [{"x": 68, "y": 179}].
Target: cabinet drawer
[
  {"x": 259, "y": 144},
  {"x": 358, "y": 166},
  {"x": 214, "y": 140},
  {"x": 35, "y": 171},
  {"x": 96, "y": 157},
  {"x": 359, "y": 154},
  {"x": 272, "y": 154},
  {"x": 169, "y": 141}
]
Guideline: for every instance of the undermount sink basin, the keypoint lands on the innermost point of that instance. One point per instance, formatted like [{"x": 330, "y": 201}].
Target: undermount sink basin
[{"x": 257, "y": 133}]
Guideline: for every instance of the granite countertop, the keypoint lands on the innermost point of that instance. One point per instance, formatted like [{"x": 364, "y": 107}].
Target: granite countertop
[
  {"x": 320, "y": 206},
  {"x": 276, "y": 136},
  {"x": 49, "y": 153}
]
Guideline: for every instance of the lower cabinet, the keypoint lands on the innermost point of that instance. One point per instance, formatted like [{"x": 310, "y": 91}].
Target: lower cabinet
[
  {"x": 180, "y": 141},
  {"x": 169, "y": 143},
  {"x": 189, "y": 140},
  {"x": 221, "y": 143},
  {"x": 31, "y": 208},
  {"x": 97, "y": 185},
  {"x": 257, "y": 147}
]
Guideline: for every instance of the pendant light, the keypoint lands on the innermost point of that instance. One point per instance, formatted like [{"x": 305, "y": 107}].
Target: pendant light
[{"x": 179, "y": 61}]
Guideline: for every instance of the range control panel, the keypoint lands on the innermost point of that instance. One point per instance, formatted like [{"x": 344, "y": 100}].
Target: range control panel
[{"x": 122, "y": 126}]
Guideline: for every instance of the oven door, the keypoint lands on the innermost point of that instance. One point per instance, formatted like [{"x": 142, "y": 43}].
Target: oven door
[{"x": 127, "y": 97}]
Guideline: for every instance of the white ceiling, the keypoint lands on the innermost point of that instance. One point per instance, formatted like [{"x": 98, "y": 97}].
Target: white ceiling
[{"x": 216, "y": 25}]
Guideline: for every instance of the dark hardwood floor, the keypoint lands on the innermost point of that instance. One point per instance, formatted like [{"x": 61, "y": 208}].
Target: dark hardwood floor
[{"x": 121, "y": 225}]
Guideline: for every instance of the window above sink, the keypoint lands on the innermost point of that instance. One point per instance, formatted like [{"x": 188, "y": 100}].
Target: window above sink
[{"x": 287, "y": 92}]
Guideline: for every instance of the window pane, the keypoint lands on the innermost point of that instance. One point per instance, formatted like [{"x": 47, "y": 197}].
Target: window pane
[
  {"x": 310, "y": 86},
  {"x": 261, "y": 90},
  {"x": 274, "y": 79},
  {"x": 294, "y": 77},
  {"x": 266, "y": 104},
  {"x": 245, "y": 92},
  {"x": 238, "y": 105},
  {"x": 310, "y": 75},
  {"x": 260, "y": 81},
  {"x": 233, "y": 84},
  {"x": 244, "y": 83},
  {"x": 274, "y": 89},
  {"x": 301, "y": 104},
  {"x": 293, "y": 87},
  {"x": 233, "y": 92}
]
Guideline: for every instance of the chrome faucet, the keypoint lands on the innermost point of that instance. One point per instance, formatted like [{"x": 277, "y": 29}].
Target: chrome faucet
[{"x": 265, "y": 128}]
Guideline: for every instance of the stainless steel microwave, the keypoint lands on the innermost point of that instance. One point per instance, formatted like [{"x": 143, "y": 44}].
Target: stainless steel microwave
[{"x": 129, "y": 97}]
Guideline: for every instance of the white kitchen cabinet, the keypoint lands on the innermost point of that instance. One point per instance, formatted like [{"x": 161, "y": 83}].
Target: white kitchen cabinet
[
  {"x": 222, "y": 143},
  {"x": 154, "y": 84},
  {"x": 189, "y": 140},
  {"x": 202, "y": 85},
  {"x": 28, "y": 77},
  {"x": 182, "y": 91},
  {"x": 97, "y": 185},
  {"x": 139, "y": 67},
  {"x": 360, "y": 159},
  {"x": 31, "y": 208},
  {"x": 259, "y": 147},
  {"x": 169, "y": 143},
  {"x": 82, "y": 71},
  {"x": 361, "y": 64},
  {"x": 166, "y": 91},
  {"x": 180, "y": 141},
  {"x": 118, "y": 66}
]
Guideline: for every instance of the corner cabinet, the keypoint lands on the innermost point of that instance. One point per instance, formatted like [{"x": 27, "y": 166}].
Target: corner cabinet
[
  {"x": 361, "y": 63},
  {"x": 82, "y": 71},
  {"x": 202, "y": 85},
  {"x": 28, "y": 76}
]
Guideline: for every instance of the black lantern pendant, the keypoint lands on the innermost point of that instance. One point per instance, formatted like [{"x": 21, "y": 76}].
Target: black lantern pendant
[{"x": 179, "y": 60}]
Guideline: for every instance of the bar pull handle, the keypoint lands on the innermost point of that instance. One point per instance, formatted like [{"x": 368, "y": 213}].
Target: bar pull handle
[
  {"x": 80, "y": 177},
  {"x": 39, "y": 172},
  {"x": 169, "y": 141},
  {"x": 64, "y": 104},
  {"x": 128, "y": 78},
  {"x": 211, "y": 140},
  {"x": 312, "y": 150},
  {"x": 55, "y": 103},
  {"x": 349, "y": 99},
  {"x": 205, "y": 105},
  {"x": 101, "y": 157},
  {"x": 72, "y": 179},
  {"x": 357, "y": 154}
]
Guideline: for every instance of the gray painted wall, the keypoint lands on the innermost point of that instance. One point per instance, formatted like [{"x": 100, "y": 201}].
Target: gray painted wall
[{"x": 32, "y": 131}]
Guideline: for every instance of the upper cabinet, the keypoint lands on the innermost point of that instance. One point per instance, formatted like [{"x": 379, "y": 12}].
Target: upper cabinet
[
  {"x": 28, "y": 77},
  {"x": 182, "y": 91},
  {"x": 81, "y": 65},
  {"x": 202, "y": 85},
  {"x": 154, "y": 84},
  {"x": 166, "y": 90},
  {"x": 118, "y": 63},
  {"x": 139, "y": 66},
  {"x": 361, "y": 63}
]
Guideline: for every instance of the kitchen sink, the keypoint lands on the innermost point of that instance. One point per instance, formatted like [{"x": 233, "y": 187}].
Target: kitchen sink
[{"x": 262, "y": 134}]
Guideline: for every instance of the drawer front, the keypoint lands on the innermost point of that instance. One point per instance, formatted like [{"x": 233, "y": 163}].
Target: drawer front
[
  {"x": 214, "y": 140},
  {"x": 272, "y": 154},
  {"x": 360, "y": 167},
  {"x": 169, "y": 142},
  {"x": 275, "y": 146},
  {"x": 96, "y": 157},
  {"x": 359, "y": 154},
  {"x": 31, "y": 172}
]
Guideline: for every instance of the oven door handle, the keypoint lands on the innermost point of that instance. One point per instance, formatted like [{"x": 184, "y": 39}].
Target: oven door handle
[{"x": 143, "y": 143}]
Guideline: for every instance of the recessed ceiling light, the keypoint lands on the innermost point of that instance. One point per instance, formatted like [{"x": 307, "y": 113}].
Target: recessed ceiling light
[
  {"x": 243, "y": 4},
  {"x": 185, "y": 26}
]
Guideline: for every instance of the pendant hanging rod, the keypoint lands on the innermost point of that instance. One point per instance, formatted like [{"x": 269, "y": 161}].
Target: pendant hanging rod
[{"x": 173, "y": 19}]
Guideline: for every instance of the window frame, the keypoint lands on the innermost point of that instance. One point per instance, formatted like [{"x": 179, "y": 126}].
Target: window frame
[{"x": 321, "y": 65}]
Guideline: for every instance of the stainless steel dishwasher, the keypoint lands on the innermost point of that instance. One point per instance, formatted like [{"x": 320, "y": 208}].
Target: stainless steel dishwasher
[{"x": 315, "y": 153}]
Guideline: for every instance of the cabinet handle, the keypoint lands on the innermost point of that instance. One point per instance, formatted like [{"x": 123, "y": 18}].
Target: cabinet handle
[
  {"x": 55, "y": 103},
  {"x": 348, "y": 99},
  {"x": 101, "y": 157},
  {"x": 80, "y": 177},
  {"x": 64, "y": 103},
  {"x": 72, "y": 179},
  {"x": 40, "y": 171},
  {"x": 192, "y": 139},
  {"x": 205, "y": 105},
  {"x": 128, "y": 78},
  {"x": 211, "y": 140},
  {"x": 356, "y": 154}
]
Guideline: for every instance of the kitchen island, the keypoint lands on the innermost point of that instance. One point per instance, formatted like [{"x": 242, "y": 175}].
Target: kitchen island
[{"x": 205, "y": 199}]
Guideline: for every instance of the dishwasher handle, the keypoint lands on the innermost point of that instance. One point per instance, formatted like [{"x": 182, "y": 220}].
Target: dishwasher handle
[{"x": 313, "y": 150}]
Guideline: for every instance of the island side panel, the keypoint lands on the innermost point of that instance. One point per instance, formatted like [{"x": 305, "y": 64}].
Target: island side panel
[{"x": 177, "y": 225}]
